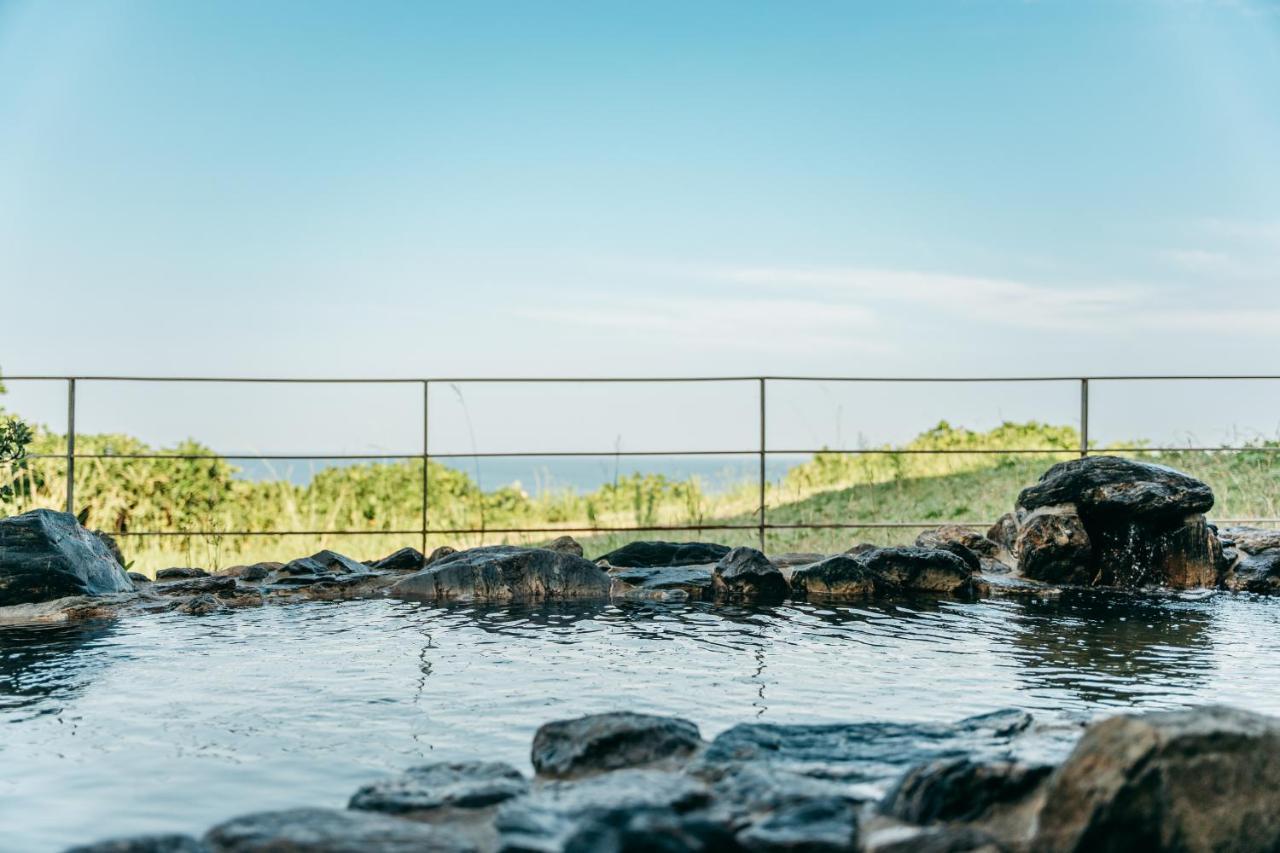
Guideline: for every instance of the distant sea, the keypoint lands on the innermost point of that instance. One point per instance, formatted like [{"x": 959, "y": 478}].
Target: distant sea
[{"x": 537, "y": 474}]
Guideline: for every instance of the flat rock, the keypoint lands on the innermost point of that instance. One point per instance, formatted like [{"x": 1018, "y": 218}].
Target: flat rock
[
  {"x": 1119, "y": 487},
  {"x": 212, "y": 584},
  {"x": 603, "y": 742},
  {"x": 958, "y": 535},
  {"x": 459, "y": 785},
  {"x": 324, "y": 563},
  {"x": 1250, "y": 540},
  {"x": 1205, "y": 779},
  {"x": 249, "y": 574},
  {"x": 887, "y": 571},
  {"x": 404, "y": 560},
  {"x": 330, "y": 831},
  {"x": 653, "y": 554},
  {"x": 45, "y": 555},
  {"x": 659, "y": 581},
  {"x": 144, "y": 844},
  {"x": 748, "y": 573},
  {"x": 505, "y": 572},
  {"x": 180, "y": 573},
  {"x": 69, "y": 609}
]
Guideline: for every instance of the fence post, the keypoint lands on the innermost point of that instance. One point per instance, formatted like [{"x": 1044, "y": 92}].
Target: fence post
[
  {"x": 763, "y": 451},
  {"x": 1084, "y": 418},
  {"x": 426, "y": 458},
  {"x": 71, "y": 446}
]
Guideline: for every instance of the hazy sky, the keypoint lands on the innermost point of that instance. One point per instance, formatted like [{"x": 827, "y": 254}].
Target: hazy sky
[{"x": 418, "y": 188}]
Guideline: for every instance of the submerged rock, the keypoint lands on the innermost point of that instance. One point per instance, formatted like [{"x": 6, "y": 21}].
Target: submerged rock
[
  {"x": 199, "y": 605},
  {"x": 567, "y": 749},
  {"x": 330, "y": 831},
  {"x": 662, "y": 582},
  {"x": 1206, "y": 779},
  {"x": 404, "y": 560},
  {"x": 45, "y": 555},
  {"x": 505, "y": 572},
  {"x": 458, "y": 785},
  {"x": 653, "y": 554},
  {"x": 748, "y": 573}
]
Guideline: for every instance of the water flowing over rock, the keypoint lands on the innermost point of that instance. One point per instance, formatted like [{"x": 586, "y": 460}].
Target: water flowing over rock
[
  {"x": 505, "y": 572},
  {"x": 1206, "y": 779},
  {"x": 330, "y": 831},
  {"x": 887, "y": 571},
  {"x": 46, "y": 555},
  {"x": 567, "y": 749},
  {"x": 635, "y": 555},
  {"x": 748, "y": 573},
  {"x": 404, "y": 560},
  {"x": 458, "y": 785}
]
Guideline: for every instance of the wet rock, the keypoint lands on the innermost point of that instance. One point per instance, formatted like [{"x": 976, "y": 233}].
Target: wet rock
[
  {"x": 959, "y": 535},
  {"x": 138, "y": 577},
  {"x": 1004, "y": 532},
  {"x": 144, "y": 844},
  {"x": 324, "y": 563},
  {"x": 1118, "y": 487},
  {"x": 887, "y": 571},
  {"x": 660, "y": 582},
  {"x": 933, "y": 839},
  {"x": 69, "y": 609},
  {"x": 112, "y": 546},
  {"x": 330, "y": 831},
  {"x": 871, "y": 755},
  {"x": 972, "y": 560},
  {"x": 1206, "y": 779},
  {"x": 990, "y": 566},
  {"x": 211, "y": 584},
  {"x": 250, "y": 574},
  {"x": 465, "y": 785},
  {"x": 602, "y": 742},
  {"x": 795, "y": 559},
  {"x": 817, "y": 825},
  {"x": 344, "y": 587},
  {"x": 861, "y": 548},
  {"x": 244, "y": 598},
  {"x": 961, "y": 790},
  {"x": 199, "y": 605},
  {"x": 440, "y": 553},
  {"x": 404, "y": 560},
  {"x": 644, "y": 830},
  {"x": 558, "y": 812},
  {"x": 1258, "y": 572},
  {"x": 1180, "y": 554},
  {"x": 1250, "y": 540},
  {"x": 565, "y": 545},
  {"x": 504, "y": 572},
  {"x": 748, "y": 573},
  {"x": 654, "y": 554},
  {"x": 1053, "y": 546},
  {"x": 180, "y": 574},
  {"x": 46, "y": 555}
]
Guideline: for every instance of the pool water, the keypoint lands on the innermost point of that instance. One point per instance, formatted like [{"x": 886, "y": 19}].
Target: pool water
[{"x": 169, "y": 723}]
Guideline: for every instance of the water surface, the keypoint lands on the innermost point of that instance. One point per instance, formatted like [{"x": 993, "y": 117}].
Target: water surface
[{"x": 172, "y": 723}]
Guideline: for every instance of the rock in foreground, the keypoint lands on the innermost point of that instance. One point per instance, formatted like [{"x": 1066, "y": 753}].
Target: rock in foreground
[
  {"x": 46, "y": 555},
  {"x": 504, "y": 573},
  {"x": 601, "y": 742}
]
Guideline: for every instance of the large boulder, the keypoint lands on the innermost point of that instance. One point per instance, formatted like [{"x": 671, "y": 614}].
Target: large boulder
[
  {"x": 46, "y": 555},
  {"x": 1113, "y": 486},
  {"x": 888, "y": 571},
  {"x": 1206, "y": 779},
  {"x": 566, "y": 749},
  {"x": 330, "y": 831},
  {"x": 651, "y": 554},
  {"x": 503, "y": 573},
  {"x": 748, "y": 573}
]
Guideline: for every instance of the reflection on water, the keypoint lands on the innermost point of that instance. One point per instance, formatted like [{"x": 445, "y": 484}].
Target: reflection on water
[{"x": 299, "y": 705}]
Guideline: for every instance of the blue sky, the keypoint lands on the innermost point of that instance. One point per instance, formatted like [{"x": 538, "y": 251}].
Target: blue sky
[{"x": 561, "y": 188}]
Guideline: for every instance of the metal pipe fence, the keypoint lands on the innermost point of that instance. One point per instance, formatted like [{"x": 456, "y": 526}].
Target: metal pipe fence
[{"x": 762, "y": 451}]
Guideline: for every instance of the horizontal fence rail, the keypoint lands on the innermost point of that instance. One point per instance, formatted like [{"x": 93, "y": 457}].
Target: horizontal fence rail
[{"x": 762, "y": 452}]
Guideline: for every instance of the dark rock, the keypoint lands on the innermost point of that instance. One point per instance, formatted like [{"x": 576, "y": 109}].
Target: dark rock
[
  {"x": 861, "y": 548},
  {"x": 989, "y": 566},
  {"x": 1258, "y": 572},
  {"x": 46, "y": 555},
  {"x": 1119, "y": 488},
  {"x": 466, "y": 785},
  {"x": 1053, "y": 546},
  {"x": 748, "y": 573},
  {"x": 873, "y": 754},
  {"x": 211, "y": 584},
  {"x": 937, "y": 839},
  {"x": 250, "y": 574},
  {"x": 649, "y": 830},
  {"x": 324, "y": 563},
  {"x": 1205, "y": 779},
  {"x": 961, "y": 790},
  {"x": 966, "y": 537},
  {"x": 557, "y": 813},
  {"x": 653, "y": 554},
  {"x": 1180, "y": 554},
  {"x": 887, "y": 571},
  {"x": 404, "y": 560},
  {"x": 1004, "y": 532},
  {"x": 1251, "y": 540},
  {"x": 199, "y": 605},
  {"x": 138, "y": 577},
  {"x": 602, "y": 742},
  {"x": 565, "y": 545},
  {"x": 111, "y": 545},
  {"x": 439, "y": 554},
  {"x": 330, "y": 831},
  {"x": 504, "y": 572},
  {"x": 971, "y": 559},
  {"x": 144, "y": 844},
  {"x": 818, "y": 825},
  {"x": 660, "y": 581},
  {"x": 180, "y": 574}
]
